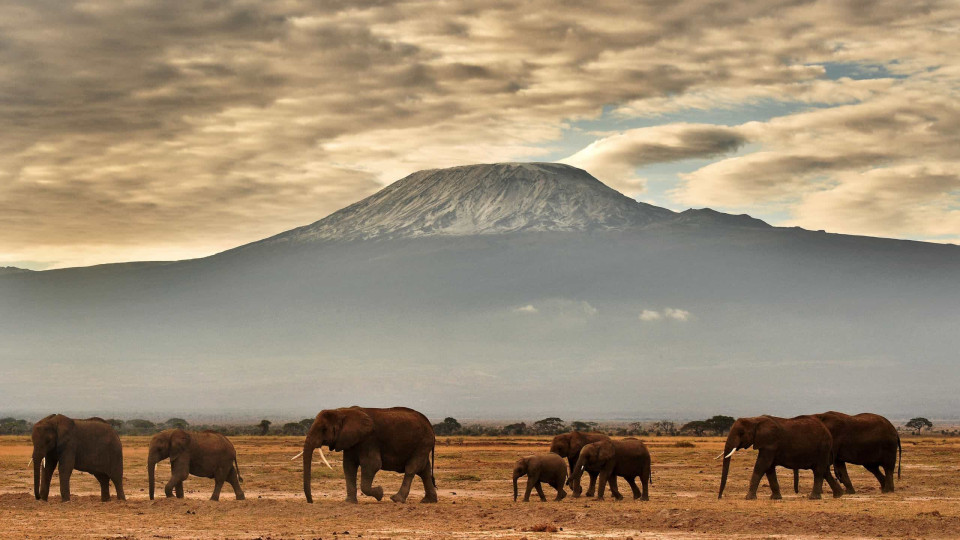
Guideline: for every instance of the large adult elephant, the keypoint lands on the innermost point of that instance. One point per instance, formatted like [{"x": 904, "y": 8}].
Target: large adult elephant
[
  {"x": 396, "y": 439},
  {"x": 568, "y": 445},
  {"x": 864, "y": 439},
  {"x": 89, "y": 445},
  {"x": 206, "y": 454},
  {"x": 627, "y": 458},
  {"x": 802, "y": 442}
]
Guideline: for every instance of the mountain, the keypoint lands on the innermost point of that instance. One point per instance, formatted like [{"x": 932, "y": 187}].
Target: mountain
[
  {"x": 4, "y": 270},
  {"x": 513, "y": 291},
  {"x": 483, "y": 199}
]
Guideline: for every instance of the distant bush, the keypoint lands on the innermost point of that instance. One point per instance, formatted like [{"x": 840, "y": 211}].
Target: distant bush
[
  {"x": 684, "y": 444},
  {"x": 14, "y": 426}
]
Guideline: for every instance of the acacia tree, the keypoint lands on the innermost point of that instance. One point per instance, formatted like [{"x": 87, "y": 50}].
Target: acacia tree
[
  {"x": 449, "y": 426},
  {"x": 665, "y": 427},
  {"x": 697, "y": 427},
  {"x": 583, "y": 426},
  {"x": 918, "y": 424},
  {"x": 549, "y": 426},
  {"x": 719, "y": 424},
  {"x": 264, "y": 426}
]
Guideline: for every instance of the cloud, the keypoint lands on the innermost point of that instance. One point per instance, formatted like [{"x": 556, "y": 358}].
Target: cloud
[
  {"x": 206, "y": 125},
  {"x": 613, "y": 159},
  {"x": 675, "y": 314},
  {"x": 561, "y": 308},
  {"x": 648, "y": 315}
]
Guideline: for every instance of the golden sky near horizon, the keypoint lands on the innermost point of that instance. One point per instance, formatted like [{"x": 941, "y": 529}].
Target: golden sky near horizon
[{"x": 147, "y": 130}]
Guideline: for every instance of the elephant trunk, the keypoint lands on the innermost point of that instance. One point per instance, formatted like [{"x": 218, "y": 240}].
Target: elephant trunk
[
  {"x": 575, "y": 476},
  {"x": 796, "y": 480},
  {"x": 723, "y": 476},
  {"x": 517, "y": 473},
  {"x": 151, "y": 472},
  {"x": 36, "y": 475},
  {"x": 307, "y": 470}
]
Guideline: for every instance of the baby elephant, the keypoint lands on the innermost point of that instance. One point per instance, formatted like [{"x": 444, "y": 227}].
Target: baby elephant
[
  {"x": 627, "y": 458},
  {"x": 549, "y": 468},
  {"x": 207, "y": 454}
]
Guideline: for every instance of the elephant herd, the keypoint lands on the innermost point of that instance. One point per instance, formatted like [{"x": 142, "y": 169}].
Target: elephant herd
[{"x": 402, "y": 440}]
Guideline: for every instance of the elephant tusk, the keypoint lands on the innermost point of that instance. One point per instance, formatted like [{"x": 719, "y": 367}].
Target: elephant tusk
[
  {"x": 720, "y": 456},
  {"x": 31, "y": 463},
  {"x": 296, "y": 456},
  {"x": 43, "y": 463},
  {"x": 324, "y": 458},
  {"x": 731, "y": 453}
]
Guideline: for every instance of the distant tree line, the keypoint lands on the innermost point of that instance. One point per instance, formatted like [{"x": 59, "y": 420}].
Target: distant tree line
[{"x": 715, "y": 425}]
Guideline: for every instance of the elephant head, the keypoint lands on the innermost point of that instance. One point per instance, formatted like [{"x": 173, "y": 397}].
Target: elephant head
[
  {"x": 338, "y": 429},
  {"x": 519, "y": 469},
  {"x": 561, "y": 445},
  {"x": 742, "y": 435},
  {"x": 169, "y": 443},
  {"x": 49, "y": 435},
  {"x": 592, "y": 456}
]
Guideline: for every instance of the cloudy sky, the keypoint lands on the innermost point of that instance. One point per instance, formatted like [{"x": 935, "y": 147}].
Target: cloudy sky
[{"x": 147, "y": 129}]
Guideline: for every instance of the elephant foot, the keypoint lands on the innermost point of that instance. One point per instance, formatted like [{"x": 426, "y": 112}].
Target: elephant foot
[
  {"x": 850, "y": 491},
  {"x": 241, "y": 497},
  {"x": 429, "y": 500},
  {"x": 618, "y": 497},
  {"x": 396, "y": 498},
  {"x": 351, "y": 500},
  {"x": 590, "y": 494},
  {"x": 837, "y": 494},
  {"x": 751, "y": 496},
  {"x": 775, "y": 497},
  {"x": 815, "y": 497},
  {"x": 601, "y": 498},
  {"x": 644, "y": 497},
  {"x": 561, "y": 495}
]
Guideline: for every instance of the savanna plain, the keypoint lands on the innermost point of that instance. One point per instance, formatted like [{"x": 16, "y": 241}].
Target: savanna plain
[{"x": 475, "y": 488}]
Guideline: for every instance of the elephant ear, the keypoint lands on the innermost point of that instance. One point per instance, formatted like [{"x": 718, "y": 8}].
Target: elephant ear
[
  {"x": 606, "y": 451},
  {"x": 355, "y": 426},
  {"x": 179, "y": 441},
  {"x": 65, "y": 430}
]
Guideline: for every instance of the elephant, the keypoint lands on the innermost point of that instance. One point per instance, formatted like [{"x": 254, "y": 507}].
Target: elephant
[
  {"x": 89, "y": 445},
  {"x": 802, "y": 442},
  {"x": 395, "y": 439},
  {"x": 207, "y": 454},
  {"x": 549, "y": 468},
  {"x": 865, "y": 439},
  {"x": 627, "y": 458},
  {"x": 568, "y": 446}
]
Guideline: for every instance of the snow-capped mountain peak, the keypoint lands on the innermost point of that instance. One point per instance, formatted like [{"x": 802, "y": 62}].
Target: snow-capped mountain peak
[{"x": 484, "y": 199}]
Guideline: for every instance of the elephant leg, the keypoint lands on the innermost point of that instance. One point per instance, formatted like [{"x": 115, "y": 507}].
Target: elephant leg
[
  {"x": 561, "y": 493},
  {"x": 633, "y": 487},
  {"x": 429, "y": 489},
  {"x": 409, "y": 472},
  {"x": 217, "y": 486},
  {"x": 49, "y": 466},
  {"x": 834, "y": 485},
  {"x": 817, "y": 492},
  {"x": 179, "y": 470},
  {"x": 614, "y": 489},
  {"x": 844, "y": 477},
  {"x": 369, "y": 468},
  {"x": 774, "y": 483},
  {"x": 234, "y": 481},
  {"x": 593, "y": 483},
  {"x": 604, "y": 477},
  {"x": 117, "y": 479},
  {"x": 760, "y": 468},
  {"x": 888, "y": 478},
  {"x": 104, "y": 486},
  {"x": 65, "y": 469},
  {"x": 644, "y": 481},
  {"x": 528, "y": 489},
  {"x": 539, "y": 488},
  {"x": 350, "y": 466}
]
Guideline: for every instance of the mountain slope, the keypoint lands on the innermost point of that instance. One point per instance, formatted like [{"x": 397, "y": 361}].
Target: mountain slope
[
  {"x": 483, "y": 199},
  {"x": 490, "y": 291}
]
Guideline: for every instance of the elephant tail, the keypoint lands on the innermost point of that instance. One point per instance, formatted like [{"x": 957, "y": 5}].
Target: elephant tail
[
  {"x": 900, "y": 457},
  {"x": 236, "y": 465},
  {"x": 432, "y": 461}
]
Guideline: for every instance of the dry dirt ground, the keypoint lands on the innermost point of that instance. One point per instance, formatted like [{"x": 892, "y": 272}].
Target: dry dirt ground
[{"x": 474, "y": 480}]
